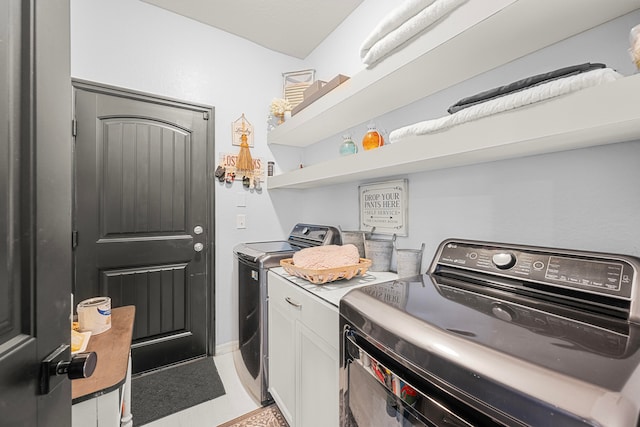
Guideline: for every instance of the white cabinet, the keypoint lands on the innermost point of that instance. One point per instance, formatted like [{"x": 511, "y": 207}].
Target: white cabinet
[
  {"x": 318, "y": 378},
  {"x": 303, "y": 355},
  {"x": 282, "y": 319}
]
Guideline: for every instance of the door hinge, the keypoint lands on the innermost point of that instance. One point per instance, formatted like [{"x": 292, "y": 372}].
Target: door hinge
[
  {"x": 74, "y": 239},
  {"x": 205, "y": 115},
  {"x": 74, "y": 127}
]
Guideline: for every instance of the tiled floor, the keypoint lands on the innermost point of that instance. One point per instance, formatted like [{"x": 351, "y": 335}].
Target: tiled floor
[{"x": 235, "y": 402}]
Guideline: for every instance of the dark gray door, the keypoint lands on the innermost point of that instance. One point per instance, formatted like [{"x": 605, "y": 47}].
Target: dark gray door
[
  {"x": 35, "y": 208},
  {"x": 141, "y": 193}
]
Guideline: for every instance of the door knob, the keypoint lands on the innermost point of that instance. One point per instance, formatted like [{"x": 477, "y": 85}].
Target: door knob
[
  {"x": 81, "y": 365},
  {"x": 198, "y": 247}
]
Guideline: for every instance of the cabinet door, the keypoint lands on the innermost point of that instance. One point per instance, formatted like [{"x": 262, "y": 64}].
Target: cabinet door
[
  {"x": 318, "y": 386},
  {"x": 282, "y": 352}
]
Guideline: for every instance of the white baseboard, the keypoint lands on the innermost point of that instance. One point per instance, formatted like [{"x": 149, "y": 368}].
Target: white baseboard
[{"x": 226, "y": 348}]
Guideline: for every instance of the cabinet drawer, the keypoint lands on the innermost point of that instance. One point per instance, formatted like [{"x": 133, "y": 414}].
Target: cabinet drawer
[
  {"x": 279, "y": 290},
  {"x": 316, "y": 314}
]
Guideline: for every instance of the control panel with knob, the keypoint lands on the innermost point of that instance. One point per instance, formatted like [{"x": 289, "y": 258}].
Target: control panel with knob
[
  {"x": 504, "y": 260},
  {"x": 590, "y": 272}
]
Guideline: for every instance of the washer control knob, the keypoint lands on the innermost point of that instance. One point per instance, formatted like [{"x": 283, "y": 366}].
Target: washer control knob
[{"x": 504, "y": 260}]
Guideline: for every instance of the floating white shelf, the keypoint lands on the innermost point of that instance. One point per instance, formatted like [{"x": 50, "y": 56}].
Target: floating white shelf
[
  {"x": 600, "y": 115},
  {"x": 477, "y": 37}
]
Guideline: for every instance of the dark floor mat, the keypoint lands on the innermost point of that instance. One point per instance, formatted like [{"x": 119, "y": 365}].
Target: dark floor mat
[{"x": 171, "y": 390}]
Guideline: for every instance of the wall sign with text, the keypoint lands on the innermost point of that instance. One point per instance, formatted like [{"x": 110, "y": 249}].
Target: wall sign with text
[
  {"x": 383, "y": 205},
  {"x": 228, "y": 162}
]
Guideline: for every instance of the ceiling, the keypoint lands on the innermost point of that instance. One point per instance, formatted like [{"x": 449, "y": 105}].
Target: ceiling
[{"x": 292, "y": 27}]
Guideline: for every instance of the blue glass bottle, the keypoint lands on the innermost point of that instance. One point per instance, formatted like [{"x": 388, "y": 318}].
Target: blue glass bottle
[{"x": 348, "y": 146}]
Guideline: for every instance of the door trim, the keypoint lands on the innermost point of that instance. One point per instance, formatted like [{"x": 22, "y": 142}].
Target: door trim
[
  {"x": 143, "y": 96},
  {"x": 209, "y": 112}
]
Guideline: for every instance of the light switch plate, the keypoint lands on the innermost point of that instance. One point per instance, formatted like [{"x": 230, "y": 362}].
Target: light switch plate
[{"x": 241, "y": 221}]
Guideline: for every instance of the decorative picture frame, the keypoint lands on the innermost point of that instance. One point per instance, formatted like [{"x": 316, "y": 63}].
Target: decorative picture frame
[
  {"x": 383, "y": 205},
  {"x": 294, "y": 83},
  {"x": 240, "y": 126}
]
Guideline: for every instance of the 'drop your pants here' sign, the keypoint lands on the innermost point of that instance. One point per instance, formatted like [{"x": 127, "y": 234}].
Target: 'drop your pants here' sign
[{"x": 383, "y": 205}]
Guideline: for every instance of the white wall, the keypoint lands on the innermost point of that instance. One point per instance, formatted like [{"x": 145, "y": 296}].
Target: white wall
[
  {"x": 582, "y": 199},
  {"x": 339, "y": 53},
  {"x": 131, "y": 44}
]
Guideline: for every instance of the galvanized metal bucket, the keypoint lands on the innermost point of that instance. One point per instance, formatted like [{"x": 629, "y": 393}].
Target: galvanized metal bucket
[
  {"x": 356, "y": 238},
  {"x": 409, "y": 261},
  {"x": 379, "y": 251}
]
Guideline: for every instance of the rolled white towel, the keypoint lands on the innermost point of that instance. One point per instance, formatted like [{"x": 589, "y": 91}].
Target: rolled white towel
[
  {"x": 393, "y": 20},
  {"x": 508, "y": 102},
  {"x": 409, "y": 29}
]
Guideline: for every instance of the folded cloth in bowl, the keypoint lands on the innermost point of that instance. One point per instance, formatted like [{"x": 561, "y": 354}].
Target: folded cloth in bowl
[
  {"x": 327, "y": 256},
  {"x": 523, "y": 84},
  {"x": 405, "y": 29},
  {"x": 508, "y": 102}
]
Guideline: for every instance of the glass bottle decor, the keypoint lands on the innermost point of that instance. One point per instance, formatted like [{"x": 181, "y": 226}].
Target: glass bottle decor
[
  {"x": 348, "y": 146},
  {"x": 372, "y": 139}
]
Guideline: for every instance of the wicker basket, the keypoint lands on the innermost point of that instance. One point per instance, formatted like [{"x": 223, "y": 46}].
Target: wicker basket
[{"x": 326, "y": 275}]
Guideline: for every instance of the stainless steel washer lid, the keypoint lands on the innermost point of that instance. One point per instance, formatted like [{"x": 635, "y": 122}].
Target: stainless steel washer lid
[
  {"x": 268, "y": 254},
  {"x": 531, "y": 370},
  {"x": 263, "y": 253},
  {"x": 257, "y": 249}
]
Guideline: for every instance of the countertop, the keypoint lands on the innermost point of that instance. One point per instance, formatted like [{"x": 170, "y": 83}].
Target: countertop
[
  {"x": 332, "y": 292},
  {"x": 113, "y": 347}
]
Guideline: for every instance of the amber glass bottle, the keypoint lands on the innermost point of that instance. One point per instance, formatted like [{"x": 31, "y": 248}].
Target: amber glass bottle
[{"x": 372, "y": 139}]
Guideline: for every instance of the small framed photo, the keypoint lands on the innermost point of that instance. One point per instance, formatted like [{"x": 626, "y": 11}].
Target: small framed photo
[
  {"x": 383, "y": 205},
  {"x": 295, "y": 83},
  {"x": 239, "y": 127}
]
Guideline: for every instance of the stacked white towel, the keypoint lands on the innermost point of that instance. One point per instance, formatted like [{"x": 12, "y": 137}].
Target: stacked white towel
[
  {"x": 402, "y": 24},
  {"x": 392, "y": 21},
  {"x": 508, "y": 102}
]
